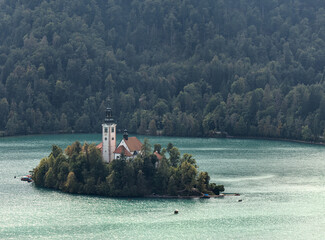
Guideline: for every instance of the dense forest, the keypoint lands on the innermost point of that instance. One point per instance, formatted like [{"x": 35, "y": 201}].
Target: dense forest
[
  {"x": 172, "y": 67},
  {"x": 80, "y": 169}
]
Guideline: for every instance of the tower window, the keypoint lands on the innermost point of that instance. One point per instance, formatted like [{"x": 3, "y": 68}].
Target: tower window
[
  {"x": 112, "y": 129},
  {"x": 112, "y": 138},
  {"x": 106, "y": 139},
  {"x": 106, "y": 130}
]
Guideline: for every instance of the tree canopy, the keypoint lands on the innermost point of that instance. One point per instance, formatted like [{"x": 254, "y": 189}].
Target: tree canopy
[
  {"x": 181, "y": 67},
  {"x": 80, "y": 169}
]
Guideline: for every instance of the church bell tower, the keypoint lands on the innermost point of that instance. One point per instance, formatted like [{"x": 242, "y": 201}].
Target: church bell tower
[{"x": 109, "y": 136}]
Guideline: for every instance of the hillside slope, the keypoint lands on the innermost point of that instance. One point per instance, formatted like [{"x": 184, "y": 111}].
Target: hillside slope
[{"x": 186, "y": 67}]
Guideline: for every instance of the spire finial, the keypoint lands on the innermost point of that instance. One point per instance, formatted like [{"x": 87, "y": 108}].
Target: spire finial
[{"x": 126, "y": 135}]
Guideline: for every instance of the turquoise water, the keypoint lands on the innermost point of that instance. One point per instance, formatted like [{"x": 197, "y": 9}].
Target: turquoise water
[{"x": 282, "y": 186}]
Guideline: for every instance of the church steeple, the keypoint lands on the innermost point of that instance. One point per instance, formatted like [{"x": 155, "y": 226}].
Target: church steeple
[
  {"x": 109, "y": 116},
  {"x": 108, "y": 136}
]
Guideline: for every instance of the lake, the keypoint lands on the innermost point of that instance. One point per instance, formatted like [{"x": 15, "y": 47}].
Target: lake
[{"x": 282, "y": 187}]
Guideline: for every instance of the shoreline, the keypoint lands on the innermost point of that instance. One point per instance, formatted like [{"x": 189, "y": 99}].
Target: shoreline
[
  {"x": 151, "y": 196},
  {"x": 204, "y": 137},
  {"x": 277, "y": 139},
  {"x": 191, "y": 197}
]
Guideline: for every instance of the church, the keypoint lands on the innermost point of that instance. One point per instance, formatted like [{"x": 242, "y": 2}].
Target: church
[{"x": 129, "y": 146}]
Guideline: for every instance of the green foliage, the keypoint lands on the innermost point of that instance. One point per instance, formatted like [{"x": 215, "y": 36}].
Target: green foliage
[
  {"x": 49, "y": 180},
  {"x": 174, "y": 156},
  {"x": 157, "y": 148},
  {"x": 306, "y": 133},
  {"x": 216, "y": 189},
  {"x": 187, "y": 174},
  {"x": 81, "y": 170},
  {"x": 203, "y": 182},
  {"x": 152, "y": 127},
  {"x": 146, "y": 148},
  {"x": 248, "y": 68},
  {"x": 56, "y": 151},
  {"x": 71, "y": 185},
  {"x": 40, "y": 172}
]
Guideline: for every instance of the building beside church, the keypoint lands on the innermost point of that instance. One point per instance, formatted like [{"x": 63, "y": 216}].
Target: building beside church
[{"x": 129, "y": 146}]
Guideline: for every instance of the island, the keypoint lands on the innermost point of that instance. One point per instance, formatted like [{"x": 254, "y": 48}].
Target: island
[{"x": 161, "y": 172}]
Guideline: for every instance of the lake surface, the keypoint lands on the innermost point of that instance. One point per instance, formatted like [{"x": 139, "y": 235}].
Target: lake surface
[{"x": 282, "y": 186}]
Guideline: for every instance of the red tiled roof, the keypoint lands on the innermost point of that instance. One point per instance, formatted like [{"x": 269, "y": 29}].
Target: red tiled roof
[
  {"x": 100, "y": 146},
  {"x": 158, "y": 155},
  {"x": 121, "y": 149},
  {"x": 133, "y": 144}
]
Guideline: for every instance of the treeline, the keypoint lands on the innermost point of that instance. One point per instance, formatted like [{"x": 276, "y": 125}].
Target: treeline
[
  {"x": 80, "y": 169},
  {"x": 175, "y": 67}
]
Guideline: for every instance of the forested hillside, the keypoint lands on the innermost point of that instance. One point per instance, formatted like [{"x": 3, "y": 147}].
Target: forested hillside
[{"x": 185, "y": 67}]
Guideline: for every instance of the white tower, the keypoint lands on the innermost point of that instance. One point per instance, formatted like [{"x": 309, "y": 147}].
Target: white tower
[{"x": 109, "y": 137}]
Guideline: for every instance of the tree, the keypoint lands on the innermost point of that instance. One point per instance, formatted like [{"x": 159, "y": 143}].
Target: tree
[
  {"x": 203, "y": 182},
  {"x": 168, "y": 126},
  {"x": 240, "y": 127},
  {"x": 216, "y": 189},
  {"x": 141, "y": 184},
  {"x": 73, "y": 149},
  {"x": 83, "y": 123},
  {"x": 50, "y": 179},
  {"x": 157, "y": 148},
  {"x": 39, "y": 172},
  {"x": 90, "y": 186},
  {"x": 146, "y": 148},
  {"x": 143, "y": 126},
  {"x": 188, "y": 174},
  {"x": 306, "y": 133},
  {"x": 71, "y": 185},
  {"x": 56, "y": 151},
  {"x": 13, "y": 125},
  {"x": 63, "y": 125},
  {"x": 174, "y": 156},
  {"x": 4, "y": 110},
  {"x": 188, "y": 158},
  {"x": 172, "y": 186},
  {"x": 161, "y": 178},
  {"x": 152, "y": 127},
  {"x": 161, "y": 107},
  {"x": 169, "y": 147}
]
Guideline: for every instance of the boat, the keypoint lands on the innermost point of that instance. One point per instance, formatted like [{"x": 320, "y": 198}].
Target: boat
[
  {"x": 27, "y": 178},
  {"x": 176, "y": 211},
  {"x": 205, "y": 196}
]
